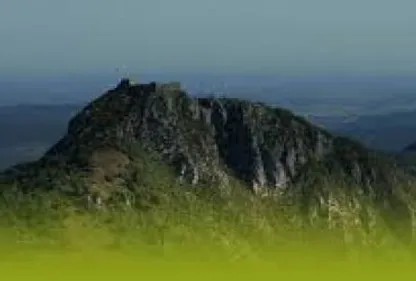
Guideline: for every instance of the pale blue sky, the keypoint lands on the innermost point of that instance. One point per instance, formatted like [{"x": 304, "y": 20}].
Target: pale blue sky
[{"x": 220, "y": 36}]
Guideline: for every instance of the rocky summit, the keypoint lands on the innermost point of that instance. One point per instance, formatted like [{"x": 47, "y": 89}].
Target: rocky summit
[
  {"x": 208, "y": 139},
  {"x": 206, "y": 142}
]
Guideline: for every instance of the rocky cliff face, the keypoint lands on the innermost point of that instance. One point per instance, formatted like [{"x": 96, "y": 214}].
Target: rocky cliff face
[
  {"x": 210, "y": 140},
  {"x": 206, "y": 140}
]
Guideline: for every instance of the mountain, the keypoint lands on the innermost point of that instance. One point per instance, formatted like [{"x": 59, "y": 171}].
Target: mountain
[
  {"x": 407, "y": 158},
  {"x": 390, "y": 132},
  {"x": 27, "y": 131},
  {"x": 203, "y": 137},
  {"x": 206, "y": 142},
  {"x": 411, "y": 148}
]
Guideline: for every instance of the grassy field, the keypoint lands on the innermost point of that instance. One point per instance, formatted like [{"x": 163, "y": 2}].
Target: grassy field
[
  {"x": 175, "y": 231},
  {"x": 190, "y": 234}
]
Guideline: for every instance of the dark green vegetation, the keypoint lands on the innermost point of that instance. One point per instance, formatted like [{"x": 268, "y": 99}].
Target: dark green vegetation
[
  {"x": 152, "y": 148},
  {"x": 168, "y": 218}
]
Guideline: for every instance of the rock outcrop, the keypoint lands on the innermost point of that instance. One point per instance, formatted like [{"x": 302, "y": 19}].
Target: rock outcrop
[
  {"x": 210, "y": 140},
  {"x": 207, "y": 141}
]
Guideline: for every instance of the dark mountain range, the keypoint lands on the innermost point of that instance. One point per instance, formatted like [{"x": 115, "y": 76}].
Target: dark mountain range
[
  {"x": 390, "y": 132},
  {"x": 28, "y": 130}
]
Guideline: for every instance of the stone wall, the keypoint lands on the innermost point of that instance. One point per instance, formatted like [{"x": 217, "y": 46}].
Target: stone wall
[{"x": 171, "y": 86}]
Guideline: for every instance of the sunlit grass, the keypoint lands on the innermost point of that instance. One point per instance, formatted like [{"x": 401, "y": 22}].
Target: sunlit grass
[{"x": 188, "y": 235}]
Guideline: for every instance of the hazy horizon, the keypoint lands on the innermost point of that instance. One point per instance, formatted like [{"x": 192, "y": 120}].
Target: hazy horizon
[
  {"x": 313, "y": 94},
  {"x": 72, "y": 51}
]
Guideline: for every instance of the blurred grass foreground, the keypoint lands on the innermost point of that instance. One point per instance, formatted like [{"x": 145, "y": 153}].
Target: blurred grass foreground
[{"x": 198, "y": 234}]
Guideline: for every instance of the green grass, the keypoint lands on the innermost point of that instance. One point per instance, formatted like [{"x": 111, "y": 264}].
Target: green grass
[{"x": 189, "y": 229}]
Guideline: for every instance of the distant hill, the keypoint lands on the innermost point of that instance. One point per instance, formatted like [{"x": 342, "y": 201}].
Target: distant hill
[
  {"x": 28, "y": 130},
  {"x": 390, "y": 132}
]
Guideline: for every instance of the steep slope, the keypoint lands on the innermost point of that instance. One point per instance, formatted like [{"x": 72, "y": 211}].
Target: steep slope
[
  {"x": 406, "y": 158},
  {"x": 206, "y": 141}
]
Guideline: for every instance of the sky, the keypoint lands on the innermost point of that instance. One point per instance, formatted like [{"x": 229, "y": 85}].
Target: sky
[{"x": 285, "y": 37}]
